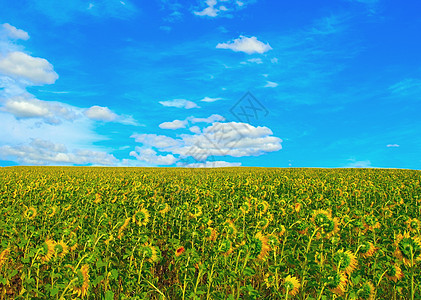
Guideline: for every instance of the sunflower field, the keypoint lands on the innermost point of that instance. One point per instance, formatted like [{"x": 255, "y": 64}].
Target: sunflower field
[{"x": 224, "y": 233}]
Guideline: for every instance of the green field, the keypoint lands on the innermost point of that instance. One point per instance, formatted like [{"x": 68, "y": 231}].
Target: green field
[{"x": 226, "y": 233}]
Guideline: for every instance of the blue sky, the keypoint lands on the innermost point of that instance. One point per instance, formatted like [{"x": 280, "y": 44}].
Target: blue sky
[{"x": 211, "y": 83}]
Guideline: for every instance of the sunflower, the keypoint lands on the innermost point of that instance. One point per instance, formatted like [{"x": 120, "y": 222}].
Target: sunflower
[
  {"x": 125, "y": 224},
  {"x": 61, "y": 249},
  {"x": 196, "y": 212},
  {"x": 262, "y": 207},
  {"x": 259, "y": 246},
  {"x": 408, "y": 249},
  {"x": 51, "y": 211},
  {"x": 30, "y": 213},
  {"x": 82, "y": 284},
  {"x": 345, "y": 261},
  {"x": 48, "y": 249},
  {"x": 230, "y": 228},
  {"x": 164, "y": 208},
  {"x": 367, "y": 291},
  {"x": 210, "y": 234},
  {"x": 226, "y": 247},
  {"x": 3, "y": 256},
  {"x": 336, "y": 282},
  {"x": 179, "y": 251},
  {"x": 394, "y": 273},
  {"x": 264, "y": 223},
  {"x": 367, "y": 249},
  {"x": 413, "y": 225},
  {"x": 245, "y": 207},
  {"x": 141, "y": 217},
  {"x": 291, "y": 285},
  {"x": 150, "y": 253}
]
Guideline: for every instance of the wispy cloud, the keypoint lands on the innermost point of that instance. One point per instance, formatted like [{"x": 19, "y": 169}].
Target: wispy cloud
[
  {"x": 392, "y": 145},
  {"x": 271, "y": 84},
  {"x": 179, "y": 103}
]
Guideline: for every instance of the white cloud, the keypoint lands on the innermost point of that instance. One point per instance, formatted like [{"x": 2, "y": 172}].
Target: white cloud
[
  {"x": 218, "y": 139},
  {"x": 359, "y": 164},
  {"x": 23, "y": 66},
  {"x": 245, "y": 44},
  {"x": 50, "y": 112},
  {"x": 274, "y": 60},
  {"x": 15, "y": 33},
  {"x": 179, "y": 103},
  {"x": 176, "y": 124},
  {"x": 43, "y": 152},
  {"x": 392, "y": 145},
  {"x": 209, "y": 99},
  {"x": 99, "y": 113},
  {"x": 271, "y": 84},
  {"x": 255, "y": 60},
  {"x": 210, "y": 164},
  {"x": 150, "y": 156},
  {"x": 210, "y": 10},
  {"x": 210, "y": 119}
]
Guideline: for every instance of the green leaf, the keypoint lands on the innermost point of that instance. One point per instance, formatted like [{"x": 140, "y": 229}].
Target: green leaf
[
  {"x": 114, "y": 274},
  {"x": 53, "y": 291},
  {"x": 109, "y": 295}
]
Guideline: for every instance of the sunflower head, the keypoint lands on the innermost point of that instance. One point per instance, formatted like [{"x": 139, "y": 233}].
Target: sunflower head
[
  {"x": 291, "y": 284},
  {"x": 413, "y": 225},
  {"x": 230, "y": 228},
  {"x": 367, "y": 249},
  {"x": 81, "y": 285},
  {"x": 179, "y": 251},
  {"x": 367, "y": 291},
  {"x": 259, "y": 246},
  {"x": 51, "y": 211},
  {"x": 245, "y": 207},
  {"x": 336, "y": 282},
  {"x": 61, "y": 249},
  {"x": 150, "y": 253},
  {"x": 30, "y": 213},
  {"x": 141, "y": 217},
  {"x": 163, "y": 208},
  {"x": 3, "y": 256},
  {"x": 345, "y": 261},
  {"x": 48, "y": 250},
  {"x": 210, "y": 234},
  {"x": 262, "y": 207},
  {"x": 408, "y": 249},
  {"x": 394, "y": 273}
]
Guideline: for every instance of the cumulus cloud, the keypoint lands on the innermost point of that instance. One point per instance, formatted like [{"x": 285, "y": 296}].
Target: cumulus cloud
[
  {"x": 271, "y": 84},
  {"x": 218, "y": 139},
  {"x": 176, "y": 124},
  {"x": 150, "y": 156},
  {"x": 50, "y": 112},
  {"x": 179, "y": 103},
  {"x": 43, "y": 152},
  {"x": 14, "y": 33},
  {"x": 100, "y": 113},
  {"x": 20, "y": 65},
  {"x": 245, "y": 44},
  {"x": 210, "y": 119}
]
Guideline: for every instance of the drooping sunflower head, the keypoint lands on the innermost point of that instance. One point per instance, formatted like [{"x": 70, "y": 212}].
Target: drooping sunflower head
[
  {"x": 291, "y": 284},
  {"x": 413, "y": 225},
  {"x": 47, "y": 250},
  {"x": 81, "y": 285},
  {"x": 394, "y": 273},
  {"x": 320, "y": 217},
  {"x": 262, "y": 206},
  {"x": 226, "y": 247},
  {"x": 259, "y": 246},
  {"x": 51, "y": 211},
  {"x": 367, "y": 291},
  {"x": 367, "y": 249},
  {"x": 408, "y": 249},
  {"x": 150, "y": 253},
  {"x": 345, "y": 261},
  {"x": 30, "y": 213},
  {"x": 210, "y": 234},
  {"x": 141, "y": 217},
  {"x": 164, "y": 208},
  {"x": 336, "y": 282},
  {"x": 230, "y": 228},
  {"x": 61, "y": 249},
  {"x": 3, "y": 256}
]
